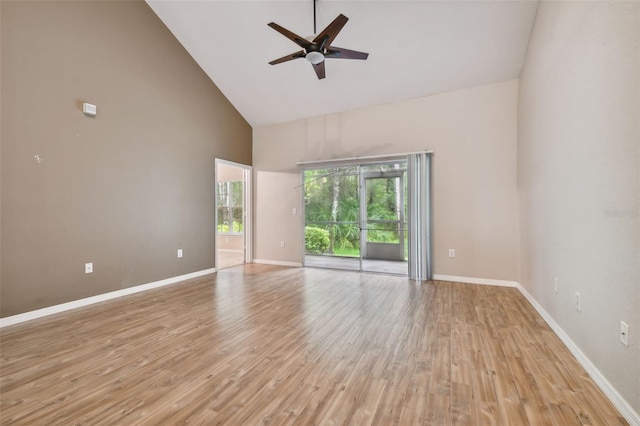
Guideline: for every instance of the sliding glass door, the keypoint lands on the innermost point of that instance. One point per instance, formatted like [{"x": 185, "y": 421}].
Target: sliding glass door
[
  {"x": 370, "y": 216},
  {"x": 355, "y": 217}
]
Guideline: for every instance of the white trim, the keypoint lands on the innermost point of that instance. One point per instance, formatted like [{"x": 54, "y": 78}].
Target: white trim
[
  {"x": 231, "y": 251},
  {"x": 277, "y": 262},
  {"x": 470, "y": 280},
  {"x": 616, "y": 399},
  {"x": 50, "y": 310}
]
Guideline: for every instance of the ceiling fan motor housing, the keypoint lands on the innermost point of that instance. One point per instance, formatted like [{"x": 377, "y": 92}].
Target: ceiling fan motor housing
[{"x": 314, "y": 57}]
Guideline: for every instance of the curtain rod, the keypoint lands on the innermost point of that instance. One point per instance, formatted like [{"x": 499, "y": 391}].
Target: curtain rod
[{"x": 355, "y": 159}]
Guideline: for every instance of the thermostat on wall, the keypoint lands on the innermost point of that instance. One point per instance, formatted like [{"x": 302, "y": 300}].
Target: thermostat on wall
[{"x": 89, "y": 109}]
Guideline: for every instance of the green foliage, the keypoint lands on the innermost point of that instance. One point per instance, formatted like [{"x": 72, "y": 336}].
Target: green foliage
[
  {"x": 346, "y": 236},
  {"x": 237, "y": 227},
  {"x": 347, "y": 252},
  {"x": 316, "y": 240},
  {"x": 230, "y": 207},
  {"x": 323, "y": 186},
  {"x": 319, "y": 194}
]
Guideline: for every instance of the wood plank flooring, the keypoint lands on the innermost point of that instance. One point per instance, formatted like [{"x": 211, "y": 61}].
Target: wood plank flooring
[{"x": 260, "y": 344}]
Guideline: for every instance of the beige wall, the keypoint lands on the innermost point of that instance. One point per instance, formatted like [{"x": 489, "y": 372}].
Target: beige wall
[
  {"x": 229, "y": 173},
  {"x": 123, "y": 190},
  {"x": 231, "y": 242},
  {"x": 578, "y": 178},
  {"x": 473, "y": 134},
  {"x": 276, "y": 195}
]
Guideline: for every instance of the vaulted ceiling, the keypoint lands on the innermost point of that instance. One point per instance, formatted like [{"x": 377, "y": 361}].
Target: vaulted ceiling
[{"x": 416, "y": 48}]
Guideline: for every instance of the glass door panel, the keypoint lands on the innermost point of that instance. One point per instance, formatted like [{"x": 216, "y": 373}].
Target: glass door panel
[
  {"x": 384, "y": 240},
  {"x": 332, "y": 209}
]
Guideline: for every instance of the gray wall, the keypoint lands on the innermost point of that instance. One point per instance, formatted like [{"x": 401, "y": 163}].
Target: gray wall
[
  {"x": 123, "y": 190},
  {"x": 578, "y": 179}
]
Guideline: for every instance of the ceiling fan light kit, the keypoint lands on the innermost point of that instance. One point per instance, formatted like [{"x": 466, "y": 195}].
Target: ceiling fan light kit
[
  {"x": 314, "y": 57},
  {"x": 317, "y": 50}
]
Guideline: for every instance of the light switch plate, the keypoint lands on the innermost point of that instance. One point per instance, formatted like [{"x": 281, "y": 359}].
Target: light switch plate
[{"x": 624, "y": 333}]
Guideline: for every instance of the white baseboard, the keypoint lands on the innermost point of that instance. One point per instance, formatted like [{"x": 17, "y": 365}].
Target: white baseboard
[
  {"x": 39, "y": 313},
  {"x": 230, "y": 251},
  {"x": 277, "y": 262},
  {"x": 470, "y": 280},
  {"x": 616, "y": 399}
]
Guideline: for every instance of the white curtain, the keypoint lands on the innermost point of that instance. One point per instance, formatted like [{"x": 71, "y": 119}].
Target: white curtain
[{"x": 419, "y": 200}]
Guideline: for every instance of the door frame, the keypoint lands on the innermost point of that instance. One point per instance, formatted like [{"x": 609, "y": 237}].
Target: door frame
[{"x": 247, "y": 217}]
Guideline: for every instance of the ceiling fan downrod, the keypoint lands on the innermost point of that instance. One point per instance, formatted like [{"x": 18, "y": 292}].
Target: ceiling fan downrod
[{"x": 314, "y": 17}]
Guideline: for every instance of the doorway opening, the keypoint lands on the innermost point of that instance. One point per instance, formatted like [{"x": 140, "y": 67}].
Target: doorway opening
[{"x": 233, "y": 214}]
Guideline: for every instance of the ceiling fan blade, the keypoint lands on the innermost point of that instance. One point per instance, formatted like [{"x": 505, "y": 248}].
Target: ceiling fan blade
[
  {"x": 340, "y": 53},
  {"x": 326, "y": 37},
  {"x": 300, "y": 41},
  {"x": 290, "y": 57},
  {"x": 319, "y": 69}
]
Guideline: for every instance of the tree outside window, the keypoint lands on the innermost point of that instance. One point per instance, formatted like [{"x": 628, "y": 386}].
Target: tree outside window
[{"x": 230, "y": 208}]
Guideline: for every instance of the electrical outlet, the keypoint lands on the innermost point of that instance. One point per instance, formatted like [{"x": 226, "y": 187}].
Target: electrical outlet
[
  {"x": 452, "y": 252},
  {"x": 282, "y": 244},
  {"x": 578, "y": 305},
  {"x": 624, "y": 333},
  {"x": 556, "y": 288},
  {"x": 88, "y": 268},
  {"x": 179, "y": 253}
]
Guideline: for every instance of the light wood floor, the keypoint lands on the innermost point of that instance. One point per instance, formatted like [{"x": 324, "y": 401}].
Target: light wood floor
[
  {"x": 229, "y": 258},
  {"x": 261, "y": 344}
]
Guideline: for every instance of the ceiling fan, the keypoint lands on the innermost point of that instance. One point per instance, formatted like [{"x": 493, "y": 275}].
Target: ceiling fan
[{"x": 317, "y": 50}]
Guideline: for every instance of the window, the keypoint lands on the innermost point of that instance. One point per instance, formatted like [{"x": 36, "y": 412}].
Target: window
[{"x": 230, "y": 208}]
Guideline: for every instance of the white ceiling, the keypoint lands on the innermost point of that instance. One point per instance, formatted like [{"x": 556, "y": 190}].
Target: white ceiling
[{"x": 416, "y": 48}]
